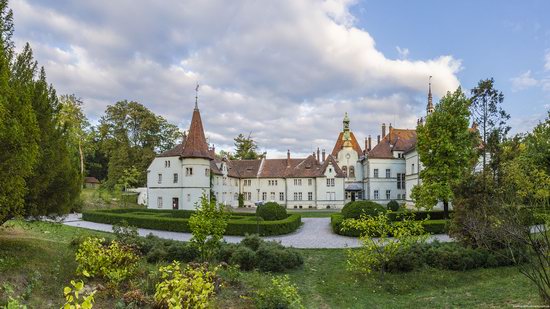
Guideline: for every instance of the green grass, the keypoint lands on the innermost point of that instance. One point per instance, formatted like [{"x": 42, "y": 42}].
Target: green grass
[
  {"x": 93, "y": 199},
  {"x": 36, "y": 261}
]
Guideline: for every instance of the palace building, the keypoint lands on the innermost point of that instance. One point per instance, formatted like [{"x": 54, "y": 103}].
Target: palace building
[{"x": 177, "y": 178}]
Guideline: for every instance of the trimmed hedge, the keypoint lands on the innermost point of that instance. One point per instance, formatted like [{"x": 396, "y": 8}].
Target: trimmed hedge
[
  {"x": 430, "y": 226},
  {"x": 177, "y": 221},
  {"x": 271, "y": 211},
  {"x": 356, "y": 209},
  {"x": 419, "y": 215}
]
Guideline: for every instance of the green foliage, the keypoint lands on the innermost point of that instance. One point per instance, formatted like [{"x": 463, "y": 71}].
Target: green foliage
[
  {"x": 252, "y": 241},
  {"x": 280, "y": 294},
  {"x": 130, "y": 136},
  {"x": 271, "y": 211},
  {"x": 355, "y": 210},
  {"x": 178, "y": 221},
  {"x": 208, "y": 225},
  {"x": 439, "y": 226},
  {"x": 446, "y": 149},
  {"x": 393, "y": 205},
  {"x": 74, "y": 299},
  {"x": 273, "y": 257},
  {"x": 244, "y": 257},
  {"x": 114, "y": 263},
  {"x": 241, "y": 200},
  {"x": 245, "y": 148},
  {"x": 375, "y": 254},
  {"x": 192, "y": 287}
]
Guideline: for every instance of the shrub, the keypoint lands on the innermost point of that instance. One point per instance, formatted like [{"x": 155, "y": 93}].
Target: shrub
[
  {"x": 244, "y": 257},
  {"x": 435, "y": 226},
  {"x": 418, "y": 215},
  {"x": 226, "y": 251},
  {"x": 74, "y": 298},
  {"x": 177, "y": 221},
  {"x": 407, "y": 259},
  {"x": 192, "y": 287},
  {"x": 280, "y": 294},
  {"x": 272, "y": 256},
  {"x": 252, "y": 241},
  {"x": 115, "y": 262},
  {"x": 271, "y": 211},
  {"x": 184, "y": 252},
  {"x": 157, "y": 254},
  {"x": 393, "y": 205},
  {"x": 355, "y": 209}
]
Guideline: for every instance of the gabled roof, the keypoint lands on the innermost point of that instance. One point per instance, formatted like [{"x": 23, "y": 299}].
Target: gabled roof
[
  {"x": 90, "y": 180},
  {"x": 340, "y": 144},
  {"x": 195, "y": 145},
  {"x": 177, "y": 151},
  {"x": 395, "y": 140},
  {"x": 337, "y": 169}
]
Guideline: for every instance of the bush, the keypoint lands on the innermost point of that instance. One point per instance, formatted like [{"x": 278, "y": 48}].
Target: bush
[
  {"x": 430, "y": 226},
  {"x": 114, "y": 262},
  {"x": 177, "y": 221},
  {"x": 393, "y": 205},
  {"x": 157, "y": 253},
  {"x": 252, "y": 241},
  {"x": 192, "y": 287},
  {"x": 418, "y": 215},
  {"x": 271, "y": 211},
  {"x": 273, "y": 257},
  {"x": 244, "y": 257},
  {"x": 354, "y": 210},
  {"x": 436, "y": 226},
  {"x": 281, "y": 294}
]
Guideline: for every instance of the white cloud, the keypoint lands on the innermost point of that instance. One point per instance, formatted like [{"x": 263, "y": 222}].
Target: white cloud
[
  {"x": 284, "y": 70},
  {"x": 523, "y": 81},
  {"x": 403, "y": 52},
  {"x": 547, "y": 61}
]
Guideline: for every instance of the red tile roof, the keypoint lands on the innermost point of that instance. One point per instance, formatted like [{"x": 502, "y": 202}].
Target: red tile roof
[
  {"x": 195, "y": 144},
  {"x": 395, "y": 140},
  {"x": 340, "y": 144}
]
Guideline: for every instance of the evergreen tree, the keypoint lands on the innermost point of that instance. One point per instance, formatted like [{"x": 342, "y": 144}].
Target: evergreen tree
[
  {"x": 245, "y": 148},
  {"x": 446, "y": 149},
  {"x": 18, "y": 127}
]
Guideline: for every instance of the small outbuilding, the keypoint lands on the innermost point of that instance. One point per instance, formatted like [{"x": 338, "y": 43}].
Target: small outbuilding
[{"x": 91, "y": 182}]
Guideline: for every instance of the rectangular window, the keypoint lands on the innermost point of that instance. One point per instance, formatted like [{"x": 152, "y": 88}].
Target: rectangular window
[
  {"x": 297, "y": 182},
  {"x": 310, "y": 182},
  {"x": 159, "y": 202},
  {"x": 175, "y": 203},
  {"x": 376, "y": 195},
  {"x": 310, "y": 196},
  {"x": 160, "y": 178},
  {"x": 175, "y": 177},
  {"x": 166, "y": 163},
  {"x": 188, "y": 171},
  {"x": 264, "y": 196},
  {"x": 189, "y": 197},
  {"x": 332, "y": 182},
  {"x": 412, "y": 168},
  {"x": 272, "y": 196},
  {"x": 299, "y": 196},
  {"x": 224, "y": 181},
  {"x": 388, "y": 194},
  {"x": 295, "y": 196},
  {"x": 281, "y": 196},
  {"x": 206, "y": 172},
  {"x": 388, "y": 173},
  {"x": 375, "y": 173}
]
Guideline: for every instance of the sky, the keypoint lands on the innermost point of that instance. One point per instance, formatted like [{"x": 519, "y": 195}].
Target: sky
[{"x": 286, "y": 71}]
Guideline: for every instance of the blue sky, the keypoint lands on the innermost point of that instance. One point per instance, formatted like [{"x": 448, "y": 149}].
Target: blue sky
[
  {"x": 286, "y": 71},
  {"x": 499, "y": 39}
]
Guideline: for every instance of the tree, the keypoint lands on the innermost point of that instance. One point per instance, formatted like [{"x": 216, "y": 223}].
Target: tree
[
  {"x": 207, "y": 225},
  {"x": 75, "y": 123},
  {"x": 491, "y": 118},
  {"x": 446, "y": 148},
  {"x": 132, "y": 135},
  {"x": 18, "y": 126},
  {"x": 245, "y": 148}
]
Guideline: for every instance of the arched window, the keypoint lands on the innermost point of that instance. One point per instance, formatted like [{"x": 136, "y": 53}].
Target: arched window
[
  {"x": 351, "y": 172},
  {"x": 345, "y": 170}
]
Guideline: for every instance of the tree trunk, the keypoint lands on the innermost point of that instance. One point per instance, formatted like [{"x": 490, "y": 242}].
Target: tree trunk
[
  {"x": 81, "y": 158},
  {"x": 446, "y": 209}
]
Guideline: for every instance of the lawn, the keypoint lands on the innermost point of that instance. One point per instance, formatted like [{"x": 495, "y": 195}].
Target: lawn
[
  {"x": 36, "y": 261},
  {"x": 104, "y": 199}
]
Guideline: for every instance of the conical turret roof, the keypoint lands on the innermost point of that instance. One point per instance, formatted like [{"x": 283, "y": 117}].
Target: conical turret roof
[{"x": 195, "y": 144}]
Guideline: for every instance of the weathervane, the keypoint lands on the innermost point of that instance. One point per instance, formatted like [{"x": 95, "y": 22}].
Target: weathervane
[{"x": 197, "y": 96}]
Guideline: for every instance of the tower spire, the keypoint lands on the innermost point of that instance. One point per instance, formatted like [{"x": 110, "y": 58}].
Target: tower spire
[
  {"x": 197, "y": 97},
  {"x": 430, "y": 106}
]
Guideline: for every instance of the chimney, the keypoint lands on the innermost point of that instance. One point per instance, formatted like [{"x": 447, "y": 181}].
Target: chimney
[
  {"x": 390, "y": 132},
  {"x": 370, "y": 143},
  {"x": 288, "y": 158},
  {"x": 378, "y": 142},
  {"x": 366, "y": 144},
  {"x": 383, "y": 130},
  {"x": 318, "y": 157},
  {"x": 323, "y": 155}
]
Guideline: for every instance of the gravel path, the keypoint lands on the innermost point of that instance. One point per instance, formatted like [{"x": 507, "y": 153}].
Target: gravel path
[{"x": 314, "y": 233}]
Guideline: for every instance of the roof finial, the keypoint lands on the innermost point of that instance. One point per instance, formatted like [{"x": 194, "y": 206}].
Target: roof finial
[{"x": 197, "y": 96}]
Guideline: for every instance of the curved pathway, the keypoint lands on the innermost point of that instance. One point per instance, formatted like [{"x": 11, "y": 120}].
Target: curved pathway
[{"x": 314, "y": 233}]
